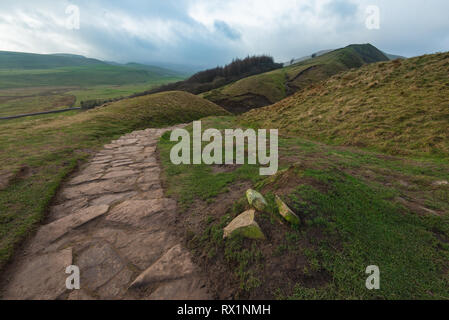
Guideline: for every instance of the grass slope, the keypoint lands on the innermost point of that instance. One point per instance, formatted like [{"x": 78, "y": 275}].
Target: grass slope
[
  {"x": 267, "y": 88},
  {"x": 357, "y": 208},
  {"x": 399, "y": 107},
  {"x": 37, "y": 153}
]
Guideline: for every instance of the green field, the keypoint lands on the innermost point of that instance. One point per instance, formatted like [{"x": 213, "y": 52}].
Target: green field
[
  {"x": 80, "y": 76},
  {"x": 114, "y": 91},
  {"x": 35, "y": 83},
  {"x": 38, "y": 99},
  {"x": 48, "y": 100}
]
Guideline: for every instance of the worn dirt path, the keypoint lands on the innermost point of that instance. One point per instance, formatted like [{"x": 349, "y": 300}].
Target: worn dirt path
[{"x": 112, "y": 221}]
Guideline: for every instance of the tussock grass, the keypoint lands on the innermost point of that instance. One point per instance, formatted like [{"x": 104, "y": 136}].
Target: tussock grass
[{"x": 399, "y": 107}]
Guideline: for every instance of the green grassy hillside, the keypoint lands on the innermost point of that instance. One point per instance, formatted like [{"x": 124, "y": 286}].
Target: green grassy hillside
[
  {"x": 37, "y": 153},
  {"x": 357, "y": 206},
  {"x": 267, "y": 88},
  {"x": 400, "y": 107}
]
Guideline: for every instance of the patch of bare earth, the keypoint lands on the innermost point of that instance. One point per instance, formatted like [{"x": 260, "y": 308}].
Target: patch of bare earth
[
  {"x": 220, "y": 280},
  {"x": 415, "y": 190},
  {"x": 6, "y": 178},
  {"x": 283, "y": 263}
]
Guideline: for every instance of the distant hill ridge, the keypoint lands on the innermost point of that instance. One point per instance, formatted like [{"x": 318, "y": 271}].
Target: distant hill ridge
[
  {"x": 20, "y": 70},
  {"x": 399, "y": 107},
  {"x": 20, "y": 60},
  {"x": 321, "y": 52},
  {"x": 270, "y": 87}
]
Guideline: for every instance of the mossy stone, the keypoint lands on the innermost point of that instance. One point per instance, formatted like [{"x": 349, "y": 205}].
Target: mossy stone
[
  {"x": 256, "y": 200},
  {"x": 287, "y": 213}
]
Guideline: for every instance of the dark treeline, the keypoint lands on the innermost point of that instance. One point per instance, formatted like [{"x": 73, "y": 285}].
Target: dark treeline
[
  {"x": 236, "y": 68},
  {"x": 90, "y": 104},
  {"x": 217, "y": 77}
]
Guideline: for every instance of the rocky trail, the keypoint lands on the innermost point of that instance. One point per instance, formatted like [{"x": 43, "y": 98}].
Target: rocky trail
[{"x": 112, "y": 221}]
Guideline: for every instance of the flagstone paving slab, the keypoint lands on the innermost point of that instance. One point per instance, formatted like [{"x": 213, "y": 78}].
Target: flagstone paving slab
[{"x": 41, "y": 278}]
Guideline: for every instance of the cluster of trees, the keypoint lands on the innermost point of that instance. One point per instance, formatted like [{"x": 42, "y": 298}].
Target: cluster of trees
[
  {"x": 217, "y": 77},
  {"x": 90, "y": 104},
  {"x": 206, "y": 80},
  {"x": 237, "y": 68}
]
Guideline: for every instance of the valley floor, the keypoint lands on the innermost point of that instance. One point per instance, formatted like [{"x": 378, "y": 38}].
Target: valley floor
[{"x": 49, "y": 98}]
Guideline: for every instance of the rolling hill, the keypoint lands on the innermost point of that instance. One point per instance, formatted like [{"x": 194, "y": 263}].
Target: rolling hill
[
  {"x": 268, "y": 88},
  {"x": 22, "y": 70},
  {"x": 399, "y": 107},
  {"x": 19, "y": 60}
]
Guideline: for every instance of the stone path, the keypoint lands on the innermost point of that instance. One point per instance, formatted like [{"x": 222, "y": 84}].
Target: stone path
[{"x": 112, "y": 221}]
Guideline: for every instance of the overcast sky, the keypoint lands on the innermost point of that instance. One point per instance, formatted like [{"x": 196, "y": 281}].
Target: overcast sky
[{"x": 211, "y": 32}]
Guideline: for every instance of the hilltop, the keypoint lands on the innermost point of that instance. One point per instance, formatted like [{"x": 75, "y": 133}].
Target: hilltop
[
  {"x": 399, "y": 107},
  {"x": 321, "y": 52},
  {"x": 268, "y": 88}
]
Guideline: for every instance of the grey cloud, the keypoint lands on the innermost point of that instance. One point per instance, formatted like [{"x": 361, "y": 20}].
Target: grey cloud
[
  {"x": 341, "y": 8},
  {"x": 165, "y": 31},
  {"x": 226, "y": 30}
]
